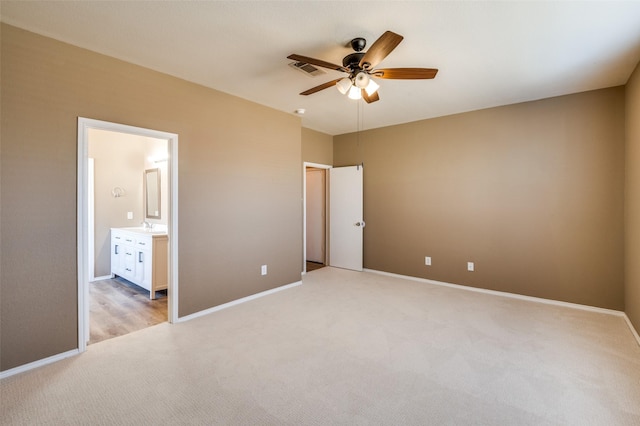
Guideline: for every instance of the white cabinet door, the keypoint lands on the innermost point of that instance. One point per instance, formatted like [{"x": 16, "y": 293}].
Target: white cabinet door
[
  {"x": 138, "y": 276},
  {"x": 117, "y": 265},
  {"x": 144, "y": 264},
  {"x": 115, "y": 258}
]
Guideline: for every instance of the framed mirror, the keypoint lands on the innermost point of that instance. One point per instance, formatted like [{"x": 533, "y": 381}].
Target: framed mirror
[{"x": 152, "y": 193}]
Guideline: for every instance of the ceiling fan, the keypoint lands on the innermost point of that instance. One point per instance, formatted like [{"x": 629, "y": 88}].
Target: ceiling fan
[{"x": 360, "y": 67}]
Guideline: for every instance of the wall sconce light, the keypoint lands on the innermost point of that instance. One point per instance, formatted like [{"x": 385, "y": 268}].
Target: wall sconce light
[{"x": 117, "y": 192}]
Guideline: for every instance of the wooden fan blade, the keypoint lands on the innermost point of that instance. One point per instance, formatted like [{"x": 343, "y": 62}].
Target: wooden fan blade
[
  {"x": 317, "y": 62},
  {"x": 372, "y": 98},
  {"x": 380, "y": 49},
  {"x": 321, "y": 87},
  {"x": 405, "y": 73}
]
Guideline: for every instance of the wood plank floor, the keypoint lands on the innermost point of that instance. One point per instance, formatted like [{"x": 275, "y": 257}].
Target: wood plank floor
[
  {"x": 312, "y": 266},
  {"x": 118, "y": 307}
]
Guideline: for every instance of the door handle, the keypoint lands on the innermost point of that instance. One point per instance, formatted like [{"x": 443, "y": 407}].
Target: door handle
[{"x": 360, "y": 223}]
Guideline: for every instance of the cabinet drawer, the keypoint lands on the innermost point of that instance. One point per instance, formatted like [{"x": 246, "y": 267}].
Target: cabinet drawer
[
  {"x": 123, "y": 238},
  {"x": 143, "y": 243},
  {"x": 128, "y": 239}
]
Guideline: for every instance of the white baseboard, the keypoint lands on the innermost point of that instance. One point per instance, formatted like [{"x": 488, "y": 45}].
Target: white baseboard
[
  {"x": 104, "y": 277},
  {"x": 38, "y": 363},
  {"x": 517, "y": 296},
  {"x": 55, "y": 358},
  {"x": 237, "y": 302},
  {"x": 59, "y": 357}
]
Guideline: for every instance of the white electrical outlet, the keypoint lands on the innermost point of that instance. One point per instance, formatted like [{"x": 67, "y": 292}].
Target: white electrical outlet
[
  {"x": 263, "y": 270},
  {"x": 427, "y": 260},
  {"x": 470, "y": 266},
  {"x": 129, "y": 215}
]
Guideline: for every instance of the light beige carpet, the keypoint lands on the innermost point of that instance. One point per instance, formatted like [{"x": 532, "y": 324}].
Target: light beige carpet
[{"x": 353, "y": 349}]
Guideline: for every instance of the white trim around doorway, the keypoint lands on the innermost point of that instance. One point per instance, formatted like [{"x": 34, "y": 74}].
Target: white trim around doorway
[{"x": 84, "y": 124}]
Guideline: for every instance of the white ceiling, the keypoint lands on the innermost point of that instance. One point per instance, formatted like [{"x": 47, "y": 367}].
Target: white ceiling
[{"x": 488, "y": 53}]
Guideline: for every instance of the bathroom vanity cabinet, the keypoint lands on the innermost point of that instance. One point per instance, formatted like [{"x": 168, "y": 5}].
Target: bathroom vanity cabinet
[{"x": 140, "y": 256}]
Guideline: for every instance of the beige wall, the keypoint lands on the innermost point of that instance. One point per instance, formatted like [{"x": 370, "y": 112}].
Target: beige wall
[
  {"x": 239, "y": 186},
  {"x": 632, "y": 198},
  {"x": 532, "y": 193},
  {"x": 317, "y": 147},
  {"x": 120, "y": 161}
]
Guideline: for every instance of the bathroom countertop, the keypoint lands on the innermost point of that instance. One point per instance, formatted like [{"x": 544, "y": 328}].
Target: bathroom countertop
[{"x": 144, "y": 231}]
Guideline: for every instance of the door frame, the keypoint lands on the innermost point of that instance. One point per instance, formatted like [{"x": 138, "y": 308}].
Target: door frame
[
  {"x": 305, "y": 165},
  {"x": 91, "y": 257},
  {"x": 84, "y": 124}
]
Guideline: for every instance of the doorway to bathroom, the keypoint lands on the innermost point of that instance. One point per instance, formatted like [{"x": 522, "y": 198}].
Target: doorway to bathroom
[{"x": 127, "y": 187}]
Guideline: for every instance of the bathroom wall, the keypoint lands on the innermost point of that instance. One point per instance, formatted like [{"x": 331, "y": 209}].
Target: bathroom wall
[{"x": 119, "y": 161}]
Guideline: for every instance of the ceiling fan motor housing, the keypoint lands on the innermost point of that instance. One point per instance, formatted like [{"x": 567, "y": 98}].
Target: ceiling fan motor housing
[{"x": 352, "y": 61}]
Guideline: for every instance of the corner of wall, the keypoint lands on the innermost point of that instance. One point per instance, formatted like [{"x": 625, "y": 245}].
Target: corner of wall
[{"x": 632, "y": 199}]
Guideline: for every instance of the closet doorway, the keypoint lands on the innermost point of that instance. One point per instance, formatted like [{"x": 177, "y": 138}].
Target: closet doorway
[
  {"x": 315, "y": 216},
  {"x": 114, "y": 161}
]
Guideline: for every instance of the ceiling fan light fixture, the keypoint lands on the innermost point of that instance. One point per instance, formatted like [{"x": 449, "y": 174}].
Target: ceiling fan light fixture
[
  {"x": 355, "y": 93},
  {"x": 361, "y": 80},
  {"x": 344, "y": 85},
  {"x": 372, "y": 87},
  {"x": 362, "y": 68}
]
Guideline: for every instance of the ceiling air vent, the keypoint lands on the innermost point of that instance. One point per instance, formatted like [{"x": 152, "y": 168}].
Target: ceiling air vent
[{"x": 307, "y": 69}]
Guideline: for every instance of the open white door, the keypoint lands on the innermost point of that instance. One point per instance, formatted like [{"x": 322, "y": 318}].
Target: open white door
[{"x": 346, "y": 224}]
